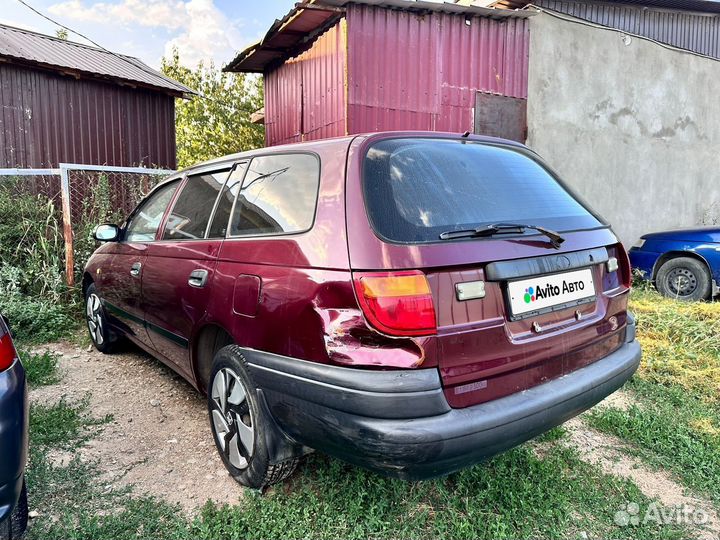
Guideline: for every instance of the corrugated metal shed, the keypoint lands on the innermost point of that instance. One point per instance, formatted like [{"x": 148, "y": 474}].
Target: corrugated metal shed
[
  {"x": 423, "y": 72},
  {"x": 305, "y": 97},
  {"x": 46, "y": 119},
  {"x": 295, "y": 31},
  {"x": 376, "y": 65},
  {"x": 24, "y": 46}
]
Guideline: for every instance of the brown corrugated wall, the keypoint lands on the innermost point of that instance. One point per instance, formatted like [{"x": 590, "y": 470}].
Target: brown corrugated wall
[{"x": 46, "y": 119}]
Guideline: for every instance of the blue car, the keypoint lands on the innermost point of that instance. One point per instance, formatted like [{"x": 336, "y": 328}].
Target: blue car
[
  {"x": 684, "y": 264},
  {"x": 13, "y": 439}
]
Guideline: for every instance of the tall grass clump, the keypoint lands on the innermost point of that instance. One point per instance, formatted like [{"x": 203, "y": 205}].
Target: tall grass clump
[{"x": 33, "y": 295}]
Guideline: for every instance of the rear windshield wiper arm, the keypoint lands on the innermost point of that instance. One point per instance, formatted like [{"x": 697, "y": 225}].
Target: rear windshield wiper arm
[{"x": 503, "y": 228}]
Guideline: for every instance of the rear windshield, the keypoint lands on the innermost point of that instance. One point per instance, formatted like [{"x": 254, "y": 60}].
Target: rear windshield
[{"x": 416, "y": 189}]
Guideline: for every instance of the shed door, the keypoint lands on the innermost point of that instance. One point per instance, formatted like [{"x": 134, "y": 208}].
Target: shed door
[{"x": 500, "y": 116}]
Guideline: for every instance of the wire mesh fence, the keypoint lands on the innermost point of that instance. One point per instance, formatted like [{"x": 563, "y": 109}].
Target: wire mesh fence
[{"x": 79, "y": 197}]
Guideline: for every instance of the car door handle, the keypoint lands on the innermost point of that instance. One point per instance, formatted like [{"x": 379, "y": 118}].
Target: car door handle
[
  {"x": 198, "y": 278},
  {"x": 135, "y": 269}
]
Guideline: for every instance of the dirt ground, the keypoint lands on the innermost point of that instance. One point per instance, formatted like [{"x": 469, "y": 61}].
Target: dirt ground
[{"x": 160, "y": 439}]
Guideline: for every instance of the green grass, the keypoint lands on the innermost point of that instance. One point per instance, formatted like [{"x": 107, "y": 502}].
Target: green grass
[
  {"x": 62, "y": 425},
  {"x": 522, "y": 493},
  {"x": 517, "y": 494},
  {"x": 672, "y": 429},
  {"x": 676, "y": 423},
  {"x": 41, "y": 369}
]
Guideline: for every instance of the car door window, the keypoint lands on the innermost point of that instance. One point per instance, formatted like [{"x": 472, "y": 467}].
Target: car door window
[
  {"x": 190, "y": 215},
  {"x": 145, "y": 223},
  {"x": 221, "y": 218},
  {"x": 278, "y": 195}
]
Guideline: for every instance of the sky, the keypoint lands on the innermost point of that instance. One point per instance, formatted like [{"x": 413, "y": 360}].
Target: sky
[{"x": 148, "y": 29}]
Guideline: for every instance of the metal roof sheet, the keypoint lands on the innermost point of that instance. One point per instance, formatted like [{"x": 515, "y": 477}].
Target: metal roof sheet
[
  {"x": 67, "y": 56},
  {"x": 709, "y": 6},
  {"x": 308, "y": 19}
]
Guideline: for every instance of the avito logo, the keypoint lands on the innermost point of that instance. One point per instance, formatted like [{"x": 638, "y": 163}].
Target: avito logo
[{"x": 548, "y": 291}]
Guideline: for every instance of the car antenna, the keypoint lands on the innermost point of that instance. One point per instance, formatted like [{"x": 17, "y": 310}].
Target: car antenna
[{"x": 466, "y": 135}]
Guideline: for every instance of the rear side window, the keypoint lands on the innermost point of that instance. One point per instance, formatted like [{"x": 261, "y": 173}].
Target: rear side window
[
  {"x": 278, "y": 195},
  {"x": 416, "y": 189},
  {"x": 189, "y": 218},
  {"x": 221, "y": 218}
]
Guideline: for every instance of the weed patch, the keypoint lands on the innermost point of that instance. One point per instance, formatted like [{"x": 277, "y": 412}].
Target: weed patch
[{"x": 41, "y": 369}]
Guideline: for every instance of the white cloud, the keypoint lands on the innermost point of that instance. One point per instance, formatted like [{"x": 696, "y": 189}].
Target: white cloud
[{"x": 200, "y": 30}]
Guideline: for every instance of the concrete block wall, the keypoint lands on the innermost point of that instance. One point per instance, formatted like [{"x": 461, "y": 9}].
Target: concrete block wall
[{"x": 632, "y": 125}]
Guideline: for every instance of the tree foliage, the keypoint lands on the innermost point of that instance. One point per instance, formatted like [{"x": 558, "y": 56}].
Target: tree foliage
[{"x": 217, "y": 121}]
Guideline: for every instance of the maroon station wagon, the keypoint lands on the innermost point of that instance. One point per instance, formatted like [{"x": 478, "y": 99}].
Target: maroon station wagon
[{"x": 409, "y": 302}]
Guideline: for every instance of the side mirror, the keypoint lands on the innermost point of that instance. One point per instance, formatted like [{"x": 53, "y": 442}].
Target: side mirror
[{"x": 106, "y": 233}]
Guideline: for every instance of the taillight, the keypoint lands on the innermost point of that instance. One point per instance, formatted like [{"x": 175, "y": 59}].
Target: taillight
[
  {"x": 7, "y": 351},
  {"x": 397, "y": 303},
  {"x": 618, "y": 268}
]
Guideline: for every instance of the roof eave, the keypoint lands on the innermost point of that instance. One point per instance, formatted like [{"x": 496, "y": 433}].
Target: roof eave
[{"x": 181, "y": 91}]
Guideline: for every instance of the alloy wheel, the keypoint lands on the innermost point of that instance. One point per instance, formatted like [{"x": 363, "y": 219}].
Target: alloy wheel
[
  {"x": 93, "y": 312},
  {"x": 232, "y": 418}
]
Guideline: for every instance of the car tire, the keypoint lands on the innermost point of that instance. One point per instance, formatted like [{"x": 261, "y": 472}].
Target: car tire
[
  {"x": 238, "y": 423},
  {"x": 14, "y": 526},
  {"x": 102, "y": 336},
  {"x": 684, "y": 278}
]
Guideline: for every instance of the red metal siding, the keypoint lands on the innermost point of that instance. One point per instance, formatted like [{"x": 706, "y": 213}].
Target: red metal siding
[
  {"x": 305, "y": 97},
  {"x": 46, "y": 119},
  {"x": 410, "y": 71}
]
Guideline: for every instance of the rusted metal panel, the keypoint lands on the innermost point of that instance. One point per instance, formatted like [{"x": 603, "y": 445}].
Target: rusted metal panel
[
  {"x": 64, "y": 55},
  {"x": 413, "y": 71},
  {"x": 46, "y": 118},
  {"x": 305, "y": 97},
  {"x": 698, "y": 32},
  {"x": 501, "y": 116}
]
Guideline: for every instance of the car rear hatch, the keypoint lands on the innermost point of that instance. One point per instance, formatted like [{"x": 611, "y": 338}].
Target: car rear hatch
[{"x": 512, "y": 310}]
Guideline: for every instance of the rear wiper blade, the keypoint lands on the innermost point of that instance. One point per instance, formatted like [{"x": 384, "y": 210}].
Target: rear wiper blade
[{"x": 503, "y": 228}]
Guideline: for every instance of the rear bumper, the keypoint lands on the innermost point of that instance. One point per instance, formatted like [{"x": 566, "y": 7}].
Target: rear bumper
[
  {"x": 399, "y": 424},
  {"x": 13, "y": 436}
]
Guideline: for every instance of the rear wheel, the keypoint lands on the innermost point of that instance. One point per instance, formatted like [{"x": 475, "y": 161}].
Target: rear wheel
[
  {"x": 238, "y": 424},
  {"x": 14, "y": 527},
  {"x": 684, "y": 278},
  {"x": 101, "y": 334}
]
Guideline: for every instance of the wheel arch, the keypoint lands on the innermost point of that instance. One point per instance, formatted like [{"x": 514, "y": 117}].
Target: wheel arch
[
  {"x": 208, "y": 340},
  {"x": 669, "y": 255},
  {"x": 87, "y": 280}
]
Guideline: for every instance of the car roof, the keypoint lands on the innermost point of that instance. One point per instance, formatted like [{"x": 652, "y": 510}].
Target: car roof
[{"x": 340, "y": 141}]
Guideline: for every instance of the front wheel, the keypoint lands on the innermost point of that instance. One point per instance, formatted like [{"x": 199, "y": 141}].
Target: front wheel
[
  {"x": 102, "y": 336},
  {"x": 684, "y": 278},
  {"x": 238, "y": 424}
]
